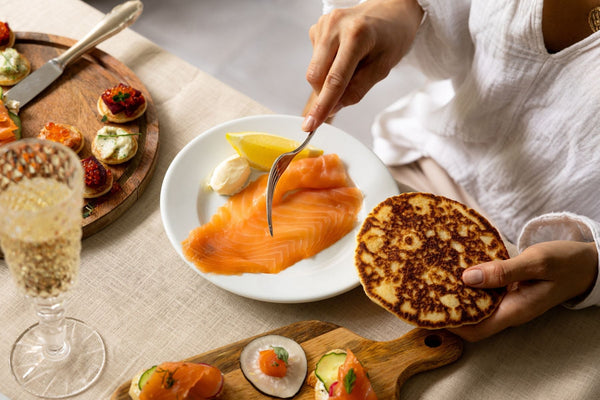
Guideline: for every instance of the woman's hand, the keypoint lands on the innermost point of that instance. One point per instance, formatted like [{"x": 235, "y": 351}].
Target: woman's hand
[
  {"x": 353, "y": 49},
  {"x": 541, "y": 277}
]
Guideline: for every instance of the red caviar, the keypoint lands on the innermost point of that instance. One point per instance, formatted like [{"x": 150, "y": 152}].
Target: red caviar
[
  {"x": 95, "y": 173},
  {"x": 123, "y": 98},
  {"x": 56, "y": 132},
  {"x": 115, "y": 187},
  {"x": 62, "y": 133}
]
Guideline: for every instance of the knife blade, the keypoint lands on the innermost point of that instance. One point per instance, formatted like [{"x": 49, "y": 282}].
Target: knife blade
[{"x": 115, "y": 21}]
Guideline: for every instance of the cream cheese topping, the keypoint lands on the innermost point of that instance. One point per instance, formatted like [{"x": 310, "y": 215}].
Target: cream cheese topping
[
  {"x": 13, "y": 106},
  {"x": 11, "y": 62},
  {"x": 114, "y": 142}
]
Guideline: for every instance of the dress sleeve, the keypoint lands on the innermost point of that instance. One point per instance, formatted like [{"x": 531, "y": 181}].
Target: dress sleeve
[
  {"x": 443, "y": 41},
  {"x": 565, "y": 226}
]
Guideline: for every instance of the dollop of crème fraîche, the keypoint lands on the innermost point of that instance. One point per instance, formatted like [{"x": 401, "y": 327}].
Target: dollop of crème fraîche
[{"x": 230, "y": 176}]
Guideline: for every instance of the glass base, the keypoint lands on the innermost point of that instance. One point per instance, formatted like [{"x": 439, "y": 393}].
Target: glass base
[{"x": 63, "y": 374}]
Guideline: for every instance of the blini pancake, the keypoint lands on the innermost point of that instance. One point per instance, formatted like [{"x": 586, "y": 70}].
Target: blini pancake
[
  {"x": 18, "y": 71},
  {"x": 411, "y": 253}
]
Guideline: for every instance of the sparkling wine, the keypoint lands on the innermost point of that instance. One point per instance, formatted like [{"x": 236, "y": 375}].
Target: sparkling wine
[
  {"x": 41, "y": 195},
  {"x": 42, "y": 241}
]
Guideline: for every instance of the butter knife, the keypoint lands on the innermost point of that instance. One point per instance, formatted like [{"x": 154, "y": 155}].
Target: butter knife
[{"x": 115, "y": 21}]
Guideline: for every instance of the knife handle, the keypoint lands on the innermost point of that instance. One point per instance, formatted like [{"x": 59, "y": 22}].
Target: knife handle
[{"x": 115, "y": 21}]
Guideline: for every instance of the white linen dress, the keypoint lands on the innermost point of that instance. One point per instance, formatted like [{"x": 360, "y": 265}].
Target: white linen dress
[{"x": 516, "y": 126}]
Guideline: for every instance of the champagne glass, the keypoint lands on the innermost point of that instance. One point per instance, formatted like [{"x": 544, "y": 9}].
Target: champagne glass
[{"x": 41, "y": 199}]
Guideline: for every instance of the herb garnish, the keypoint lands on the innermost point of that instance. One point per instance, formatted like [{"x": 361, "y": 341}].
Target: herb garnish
[
  {"x": 104, "y": 118},
  {"x": 125, "y": 134},
  {"x": 87, "y": 210},
  {"x": 121, "y": 97},
  {"x": 281, "y": 353},
  {"x": 167, "y": 380},
  {"x": 349, "y": 380}
]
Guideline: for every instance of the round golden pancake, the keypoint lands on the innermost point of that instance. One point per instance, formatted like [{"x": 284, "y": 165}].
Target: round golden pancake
[{"x": 411, "y": 252}]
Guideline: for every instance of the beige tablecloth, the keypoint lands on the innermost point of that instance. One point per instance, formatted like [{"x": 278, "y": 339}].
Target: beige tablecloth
[{"x": 150, "y": 306}]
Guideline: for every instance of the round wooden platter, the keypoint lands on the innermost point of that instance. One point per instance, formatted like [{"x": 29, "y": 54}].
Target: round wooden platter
[{"x": 72, "y": 99}]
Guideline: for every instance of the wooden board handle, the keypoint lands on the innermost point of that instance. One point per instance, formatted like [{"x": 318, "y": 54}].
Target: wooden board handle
[
  {"x": 417, "y": 351},
  {"x": 390, "y": 363}
]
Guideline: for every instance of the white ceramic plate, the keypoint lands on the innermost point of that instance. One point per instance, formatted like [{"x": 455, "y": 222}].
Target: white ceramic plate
[{"x": 186, "y": 202}]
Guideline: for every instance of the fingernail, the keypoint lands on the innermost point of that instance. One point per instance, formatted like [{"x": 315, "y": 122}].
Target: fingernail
[
  {"x": 309, "y": 123},
  {"x": 473, "y": 277}
]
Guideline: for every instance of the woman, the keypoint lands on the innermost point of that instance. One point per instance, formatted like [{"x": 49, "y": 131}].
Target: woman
[{"x": 518, "y": 132}]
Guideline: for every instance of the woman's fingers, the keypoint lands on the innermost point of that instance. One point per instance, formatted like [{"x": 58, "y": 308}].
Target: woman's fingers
[
  {"x": 325, "y": 48},
  {"x": 501, "y": 273},
  {"x": 552, "y": 261},
  {"x": 354, "y": 48},
  {"x": 520, "y": 305},
  {"x": 335, "y": 83},
  {"x": 338, "y": 50},
  {"x": 541, "y": 277}
]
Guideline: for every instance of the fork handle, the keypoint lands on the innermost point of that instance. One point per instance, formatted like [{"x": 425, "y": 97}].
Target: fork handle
[{"x": 303, "y": 145}]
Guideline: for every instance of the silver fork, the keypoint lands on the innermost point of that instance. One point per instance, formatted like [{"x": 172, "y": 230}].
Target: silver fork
[{"x": 279, "y": 166}]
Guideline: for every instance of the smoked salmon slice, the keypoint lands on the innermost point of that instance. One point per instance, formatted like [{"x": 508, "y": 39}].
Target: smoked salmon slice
[
  {"x": 314, "y": 205},
  {"x": 353, "y": 382},
  {"x": 181, "y": 380},
  {"x": 7, "y": 126}
]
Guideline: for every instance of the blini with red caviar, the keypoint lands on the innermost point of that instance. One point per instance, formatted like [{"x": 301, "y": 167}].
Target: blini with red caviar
[
  {"x": 65, "y": 134},
  {"x": 98, "y": 178}
]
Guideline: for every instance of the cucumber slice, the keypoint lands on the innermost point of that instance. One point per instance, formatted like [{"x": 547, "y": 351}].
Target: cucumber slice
[
  {"x": 145, "y": 376},
  {"x": 327, "y": 367},
  {"x": 17, "y": 122}
]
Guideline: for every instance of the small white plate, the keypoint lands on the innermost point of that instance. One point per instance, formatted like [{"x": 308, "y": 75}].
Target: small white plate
[{"x": 186, "y": 202}]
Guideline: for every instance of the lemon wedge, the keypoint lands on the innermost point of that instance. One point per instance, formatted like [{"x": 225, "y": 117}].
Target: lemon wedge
[{"x": 262, "y": 149}]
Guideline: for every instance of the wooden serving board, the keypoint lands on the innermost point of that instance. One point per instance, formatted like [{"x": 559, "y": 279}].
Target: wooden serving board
[
  {"x": 72, "y": 99},
  {"x": 389, "y": 364}
]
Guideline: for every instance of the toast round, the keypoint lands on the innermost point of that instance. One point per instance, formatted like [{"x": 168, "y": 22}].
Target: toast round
[
  {"x": 23, "y": 69},
  {"x": 411, "y": 252},
  {"x": 119, "y": 118},
  {"x": 66, "y": 134}
]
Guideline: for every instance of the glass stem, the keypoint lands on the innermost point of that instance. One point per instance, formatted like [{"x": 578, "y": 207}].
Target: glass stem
[{"x": 52, "y": 327}]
